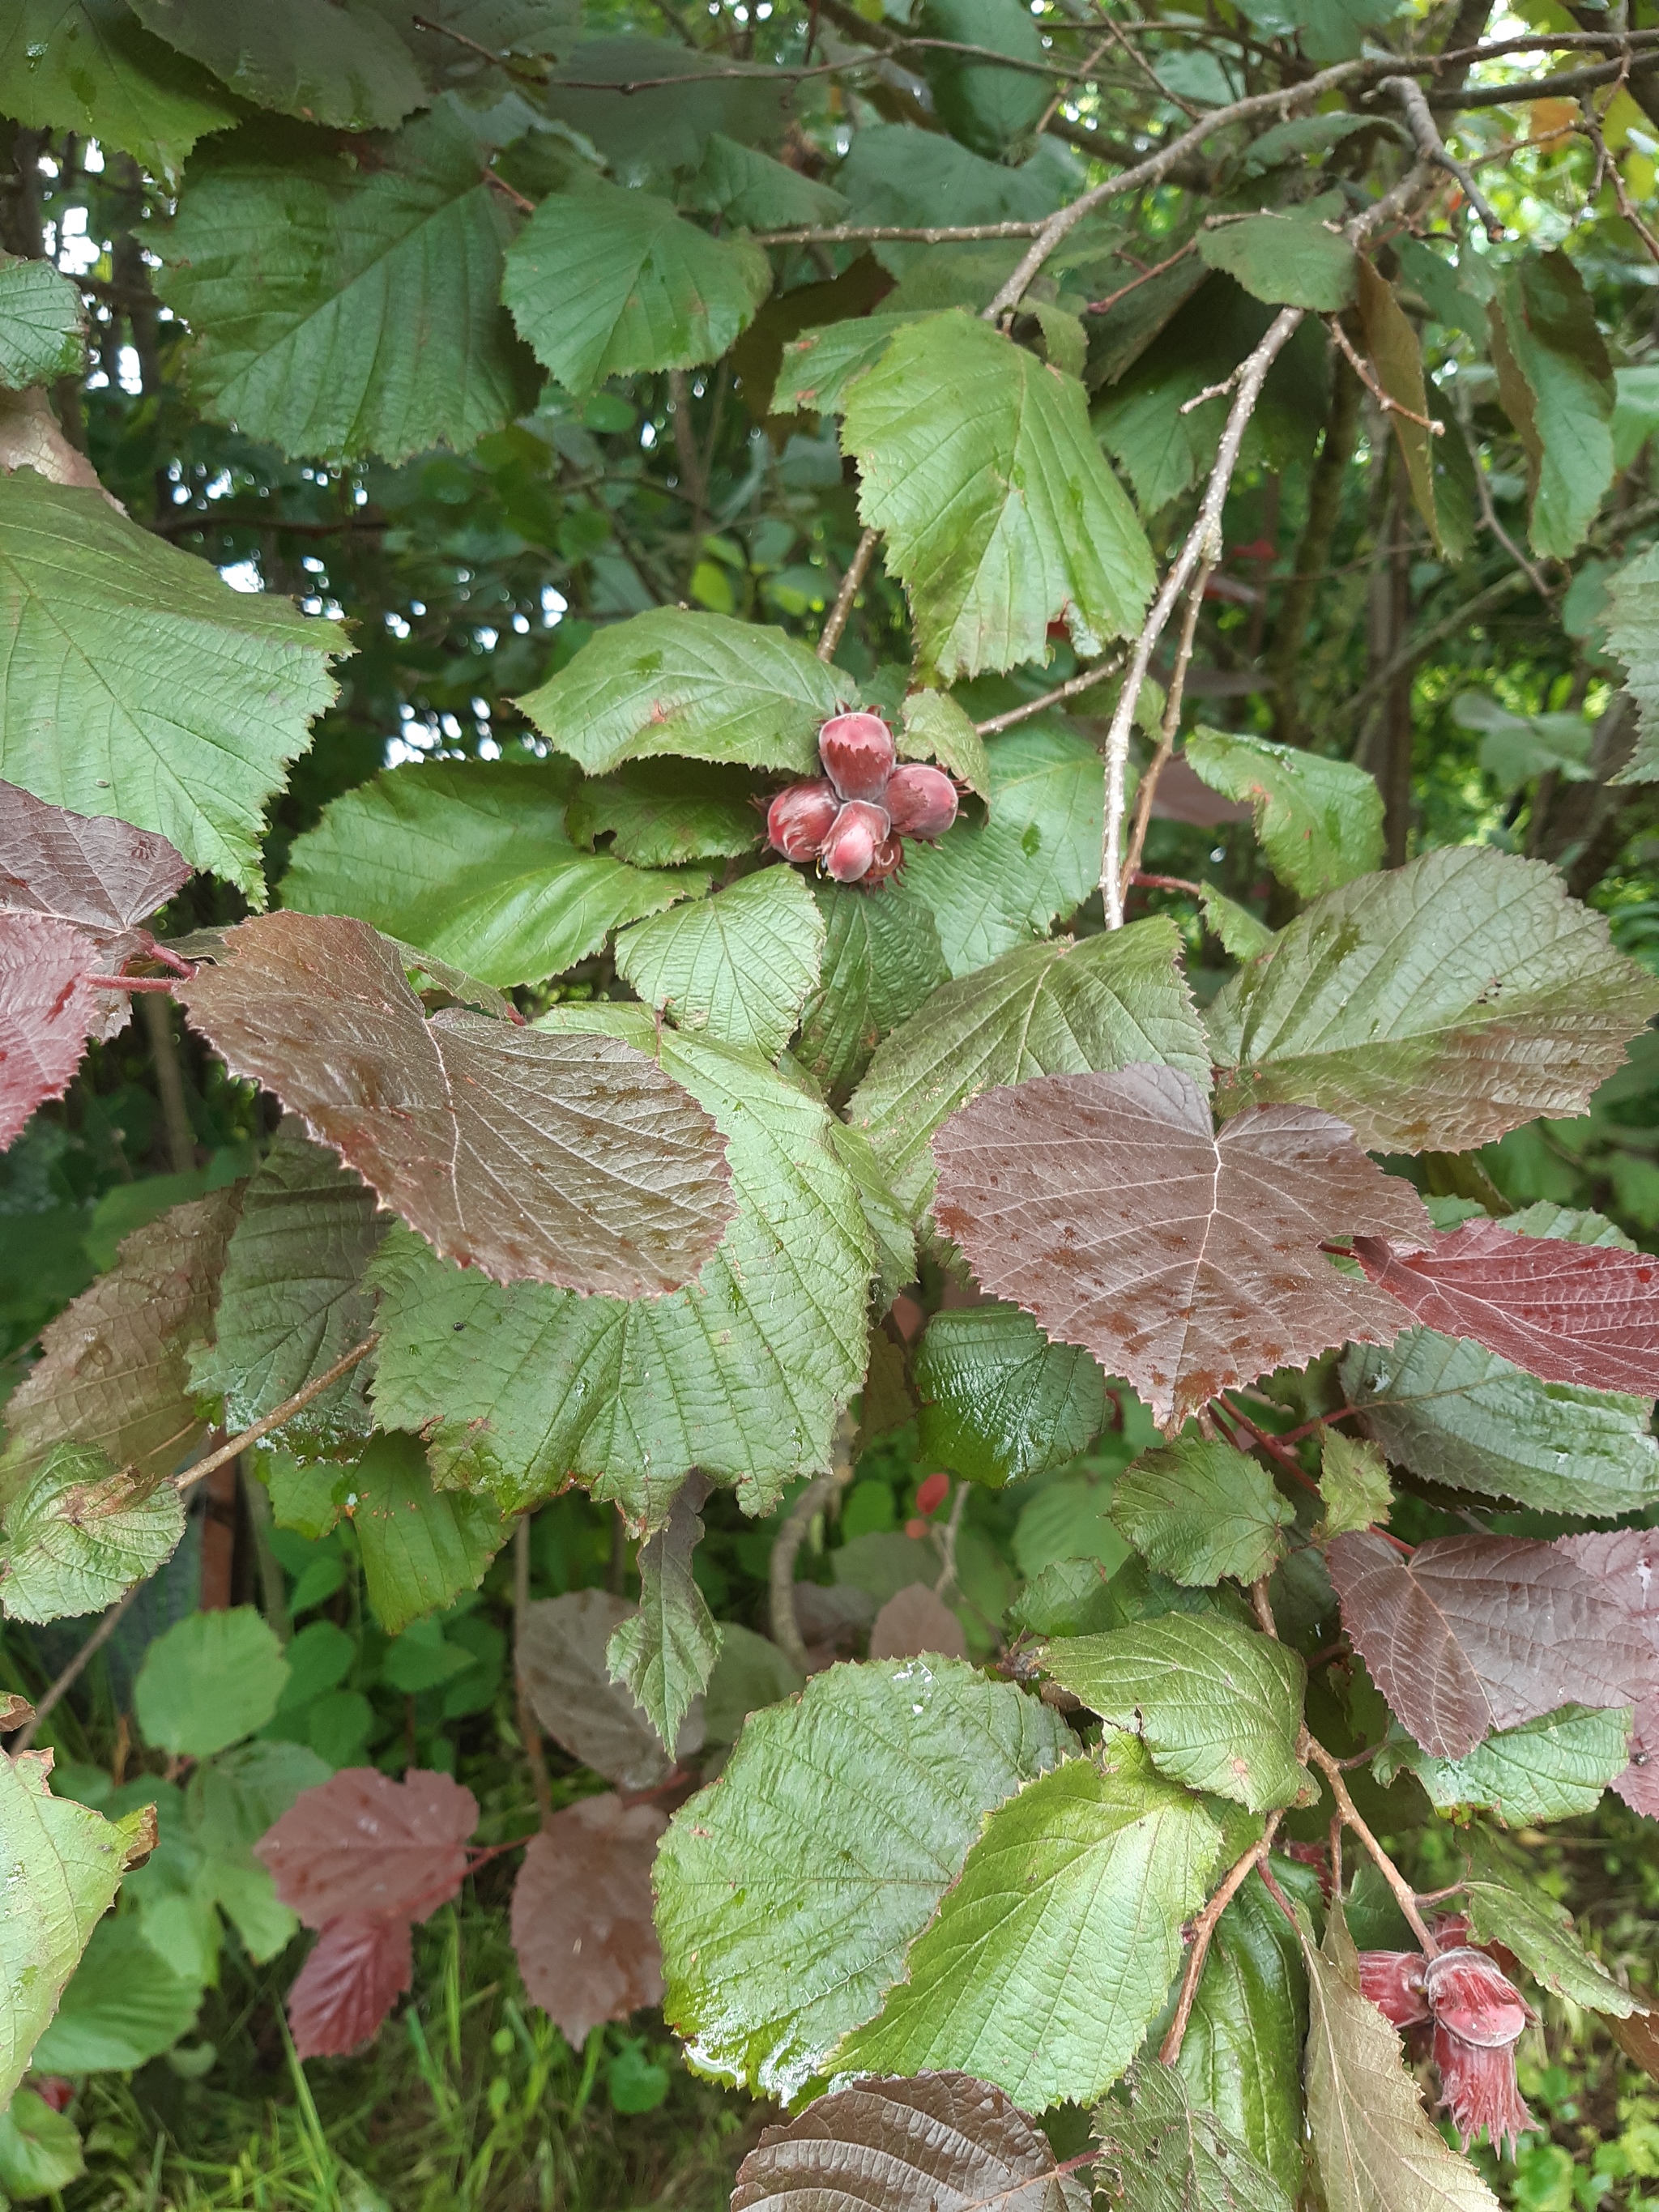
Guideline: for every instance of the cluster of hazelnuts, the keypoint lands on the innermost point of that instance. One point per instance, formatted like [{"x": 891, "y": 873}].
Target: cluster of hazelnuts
[{"x": 854, "y": 819}]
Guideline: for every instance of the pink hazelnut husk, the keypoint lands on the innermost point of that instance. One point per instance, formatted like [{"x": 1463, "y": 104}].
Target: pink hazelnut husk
[
  {"x": 886, "y": 861},
  {"x": 850, "y": 847},
  {"x": 921, "y": 801},
  {"x": 1393, "y": 1981},
  {"x": 799, "y": 818},
  {"x": 1479, "y": 2090},
  {"x": 857, "y": 750},
  {"x": 1471, "y": 1994}
]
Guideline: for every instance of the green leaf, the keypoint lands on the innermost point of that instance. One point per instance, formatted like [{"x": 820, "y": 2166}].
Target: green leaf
[
  {"x": 100, "y": 617},
  {"x": 1551, "y": 1769},
  {"x": 1059, "y": 1008},
  {"x": 742, "y": 1373},
  {"x": 1633, "y": 635},
  {"x": 998, "y": 883},
  {"x": 935, "y": 728},
  {"x": 291, "y": 1299},
  {"x": 699, "y": 685},
  {"x": 663, "y": 127},
  {"x": 1288, "y": 259},
  {"x": 1331, "y": 30},
  {"x": 754, "y": 193},
  {"x": 64, "y": 1864},
  {"x": 749, "y": 1672},
  {"x": 210, "y": 1680},
  {"x": 1515, "y": 747},
  {"x": 421, "y": 1547},
  {"x": 738, "y": 965},
  {"x": 1434, "y": 1006},
  {"x": 1068, "y": 1521},
  {"x": 334, "y": 62},
  {"x": 341, "y": 306},
  {"x": 1539, "y": 1933},
  {"x": 1240, "y": 933},
  {"x": 818, "y": 367},
  {"x": 39, "y": 2148},
  {"x": 87, "y": 66},
  {"x": 1374, "y": 2150},
  {"x": 979, "y": 104},
  {"x": 1197, "y": 1510},
  {"x": 899, "y": 174},
  {"x": 1319, "y": 821},
  {"x": 881, "y": 958},
  {"x": 1217, "y": 1705},
  {"x": 999, "y": 1401},
  {"x": 1160, "y": 2152},
  {"x": 1353, "y": 1481},
  {"x": 1434, "y": 464},
  {"x": 1555, "y": 383},
  {"x": 891, "y": 1236},
  {"x": 659, "y": 813},
  {"x": 124, "y": 2005},
  {"x": 664, "y": 1653},
  {"x": 787, "y": 1894},
  {"x": 470, "y": 860},
  {"x": 1067, "y": 1597},
  {"x": 43, "y": 324},
  {"x": 1056, "y": 1944},
  {"x": 604, "y": 282},
  {"x": 81, "y": 1533},
  {"x": 1000, "y": 513},
  {"x": 1242, "y": 2055},
  {"x": 1458, "y": 1414}
]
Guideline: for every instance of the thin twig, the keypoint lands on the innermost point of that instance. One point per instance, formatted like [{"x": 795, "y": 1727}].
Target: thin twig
[
  {"x": 1203, "y": 1928},
  {"x": 1425, "y": 642},
  {"x": 508, "y": 192},
  {"x": 529, "y": 1728},
  {"x": 1084, "y": 680},
  {"x": 1262, "y": 1605},
  {"x": 855, "y": 233},
  {"x": 1101, "y": 306},
  {"x": 1166, "y": 736},
  {"x": 1079, "y": 75},
  {"x": 947, "y": 1540},
  {"x": 836, "y": 620},
  {"x": 1543, "y": 87},
  {"x": 276, "y": 1419},
  {"x": 1607, "y": 165},
  {"x": 1404, "y": 1894},
  {"x": 1384, "y": 400},
  {"x": 1433, "y": 148},
  {"x": 1489, "y": 516},
  {"x": 71, "y": 1673},
  {"x": 780, "y": 1573}
]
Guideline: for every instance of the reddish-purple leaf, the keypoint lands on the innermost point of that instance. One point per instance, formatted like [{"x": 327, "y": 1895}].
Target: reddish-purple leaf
[
  {"x": 358, "y": 1968},
  {"x": 566, "y": 1158},
  {"x": 1106, "y": 1206},
  {"x": 90, "y": 869},
  {"x": 1569, "y": 1313},
  {"x": 48, "y": 1009},
  {"x": 1474, "y": 1633},
  {"x": 914, "y": 1621},
  {"x": 581, "y": 1914},
  {"x": 1624, "y": 1565},
  {"x": 361, "y": 1845}
]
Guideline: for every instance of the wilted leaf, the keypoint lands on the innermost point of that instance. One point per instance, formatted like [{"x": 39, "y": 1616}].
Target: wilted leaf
[
  {"x": 698, "y": 684},
  {"x": 1539, "y": 1933},
  {"x": 1319, "y": 821},
  {"x": 1353, "y": 1481},
  {"x": 1584, "y": 1314},
  {"x": 999, "y": 1401},
  {"x": 562, "y": 1659},
  {"x": 942, "y": 2139},
  {"x": 1625, "y": 1567},
  {"x": 1373, "y": 2147},
  {"x": 1055, "y": 1008},
  {"x": 1105, "y": 1206},
  {"x": 1056, "y": 1944},
  {"x": 1474, "y": 1633},
  {"x": 470, "y": 859},
  {"x": 361, "y": 1844},
  {"x": 664, "y": 1653},
  {"x": 1159, "y": 2152},
  {"x": 913, "y": 1621},
  {"x": 565, "y": 1159},
  {"x": 605, "y": 281},
  {"x": 949, "y": 422},
  {"x": 80, "y": 1533},
  {"x": 1197, "y": 1510},
  {"x": 99, "y": 872},
  {"x": 112, "y": 1372},
  {"x": 355, "y": 1972},
  {"x": 291, "y": 1299},
  {"x": 1546, "y": 1769},
  {"x": 581, "y": 1914},
  {"x": 738, "y": 965},
  {"x": 1433, "y": 1006},
  {"x": 881, "y": 957},
  {"x": 421, "y": 1547},
  {"x": 1217, "y": 1705},
  {"x": 786, "y": 1902},
  {"x": 48, "y": 1010},
  {"x": 98, "y": 616}
]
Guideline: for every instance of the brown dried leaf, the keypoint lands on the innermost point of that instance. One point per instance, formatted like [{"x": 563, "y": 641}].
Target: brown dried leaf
[
  {"x": 1474, "y": 1633},
  {"x": 933, "y": 2142},
  {"x": 1587, "y": 1314},
  {"x": 30, "y": 438},
  {"x": 581, "y": 1914},
  {"x": 1106, "y": 1206},
  {"x": 562, "y": 1661},
  {"x": 92, "y": 870},
  {"x": 358, "y": 1968},
  {"x": 362, "y": 1845},
  {"x": 913, "y": 1621},
  {"x": 565, "y": 1158},
  {"x": 1624, "y": 1567},
  {"x": 113, "y": 1371}
]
